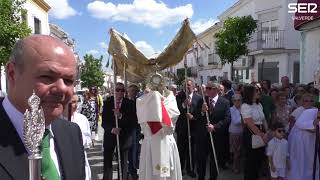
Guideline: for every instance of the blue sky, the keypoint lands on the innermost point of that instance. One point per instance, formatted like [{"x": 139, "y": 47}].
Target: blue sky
[{"x": 150, "y": 24}]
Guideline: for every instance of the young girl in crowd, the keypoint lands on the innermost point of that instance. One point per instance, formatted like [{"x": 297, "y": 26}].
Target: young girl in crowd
[{"x": 278, "y": 153}]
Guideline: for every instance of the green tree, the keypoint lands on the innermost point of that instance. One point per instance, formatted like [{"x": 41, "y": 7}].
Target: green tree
[
  {"x": 91, "y": 73},
  {"x": 233, "y": 38},
  {"x": 13, "y": 26}
]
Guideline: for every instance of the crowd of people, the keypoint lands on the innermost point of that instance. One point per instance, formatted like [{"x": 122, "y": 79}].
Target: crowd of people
[
  {"x": 257, "y": 128},
  {"x": 236, "y": 112}
]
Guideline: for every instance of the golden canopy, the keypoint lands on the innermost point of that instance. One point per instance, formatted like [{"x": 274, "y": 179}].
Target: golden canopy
[{"x": 138, "y": 66}]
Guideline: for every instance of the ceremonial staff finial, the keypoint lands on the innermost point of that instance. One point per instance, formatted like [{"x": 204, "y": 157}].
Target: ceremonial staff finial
[{"x": 33, "y": 130}]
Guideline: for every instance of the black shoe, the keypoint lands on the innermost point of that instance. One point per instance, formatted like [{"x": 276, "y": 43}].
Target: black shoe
[{"x": 191, "y": 174}]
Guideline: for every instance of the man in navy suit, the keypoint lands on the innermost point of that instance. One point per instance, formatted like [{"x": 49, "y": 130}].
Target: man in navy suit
[
  {"x": 47, "y": 66},
  {"x": 192, "y": 100},
  {"x": 127, "y": 118}
]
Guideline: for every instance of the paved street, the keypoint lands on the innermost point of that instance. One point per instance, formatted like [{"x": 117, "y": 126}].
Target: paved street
[{"x": 96, "y": 162}]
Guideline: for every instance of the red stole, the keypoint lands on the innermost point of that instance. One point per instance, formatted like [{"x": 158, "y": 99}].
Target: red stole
[{"x": 156, "y": 126}]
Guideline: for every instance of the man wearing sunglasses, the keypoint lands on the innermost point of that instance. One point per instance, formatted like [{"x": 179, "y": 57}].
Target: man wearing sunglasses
[
  {"x": 127, "y": 119},
  {"x": 219, "y": 116}
]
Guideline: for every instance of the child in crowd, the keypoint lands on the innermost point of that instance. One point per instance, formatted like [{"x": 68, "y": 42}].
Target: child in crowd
[{"x": 278, "y": 153}]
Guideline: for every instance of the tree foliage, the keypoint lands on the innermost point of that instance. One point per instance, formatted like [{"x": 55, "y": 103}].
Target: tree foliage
[
  {"x": 12, "y": 26},
  {"x": 91, "y": 72},
  {"x": 233, "y": 38}
]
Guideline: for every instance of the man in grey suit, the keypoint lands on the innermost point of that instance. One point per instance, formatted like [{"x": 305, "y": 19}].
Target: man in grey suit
[
  {"x": 219, "y": 115},
  {"x": 47, "y": 66}
]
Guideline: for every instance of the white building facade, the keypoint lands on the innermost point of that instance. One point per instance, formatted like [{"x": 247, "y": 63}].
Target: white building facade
[
  {"x": 309, "y": 25},
  {"x": 274, "y": 47},
  {"x": 37, "y": 16}
]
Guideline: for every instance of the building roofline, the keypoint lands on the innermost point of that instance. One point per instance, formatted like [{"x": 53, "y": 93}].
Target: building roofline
[
  {"x": 41, "y": 3},
  {"x": 216, "y": 26},
  {"x": 230, "y": 9}
]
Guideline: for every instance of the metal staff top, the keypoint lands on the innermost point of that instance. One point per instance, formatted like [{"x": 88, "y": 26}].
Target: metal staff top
[{"x": 34, "y": 126}]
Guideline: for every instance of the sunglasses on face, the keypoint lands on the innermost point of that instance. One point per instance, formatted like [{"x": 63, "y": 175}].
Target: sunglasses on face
[
  {"x": 209, "y": 88},
  {"x": 236, "y": 100},
  {"x": 119, "y": 90},
  {"x": 281, "y": 131},
  {"x": 308, "y": 101}
]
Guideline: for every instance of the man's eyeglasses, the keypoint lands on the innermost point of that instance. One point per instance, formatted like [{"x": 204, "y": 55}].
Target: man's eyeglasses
[
  {"x": 119, "y": 90},
  {"x": 281, "y": 131},
  {"x": 308, "y": 100}
]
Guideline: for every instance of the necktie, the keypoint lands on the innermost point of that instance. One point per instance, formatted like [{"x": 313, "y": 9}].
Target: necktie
[
  {"x": 118, "y": 104},
  {"x": 211, "y": 105},
  {"x": 48, "y": 168}
]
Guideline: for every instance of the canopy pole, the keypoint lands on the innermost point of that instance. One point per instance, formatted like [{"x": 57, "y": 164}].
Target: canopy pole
[{"x": 116, "y": 119}]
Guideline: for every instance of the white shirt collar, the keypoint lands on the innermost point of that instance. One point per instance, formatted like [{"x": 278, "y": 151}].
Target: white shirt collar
[
  {"x": 16, "y": 117},
  {"x": 215, "y": 98},
  {"x": 191, "y": 95}
]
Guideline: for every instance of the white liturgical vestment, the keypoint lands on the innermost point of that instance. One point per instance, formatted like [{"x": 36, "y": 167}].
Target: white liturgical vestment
[{"x": 159, "y": 158}]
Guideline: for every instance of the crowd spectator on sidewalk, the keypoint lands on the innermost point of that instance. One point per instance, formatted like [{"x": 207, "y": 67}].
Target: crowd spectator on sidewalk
[
  {"x": 283, "y": 111},
  {"x": 278, "y": 152},
  {"x": 90, "y": 110},
  {"x": 235, "y": 133},
  {"x": 266, "y": 86},
  {"x": 83, "y": 123},
  {"x": 253, "y": 117}
]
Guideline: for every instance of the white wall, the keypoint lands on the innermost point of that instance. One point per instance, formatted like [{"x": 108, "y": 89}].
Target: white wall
[
  {"x": 309, "y": 54},
  {"x": 35, "y": 11}
]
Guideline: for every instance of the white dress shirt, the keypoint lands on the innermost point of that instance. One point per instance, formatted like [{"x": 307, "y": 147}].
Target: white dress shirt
[
  {"x": 84, "y": 125},
  {"x": 16, "y": 118}
]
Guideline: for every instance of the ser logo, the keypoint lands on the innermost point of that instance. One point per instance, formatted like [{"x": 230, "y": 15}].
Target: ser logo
[{"x": 303, "y": 8}]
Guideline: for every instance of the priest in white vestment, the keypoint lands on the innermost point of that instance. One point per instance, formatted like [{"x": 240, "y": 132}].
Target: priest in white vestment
[
  {"x": 301, "y": 142},
  {"x": 159, "y": 157}
]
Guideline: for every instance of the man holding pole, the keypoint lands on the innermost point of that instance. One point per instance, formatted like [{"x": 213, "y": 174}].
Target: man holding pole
[
  {"x": 218, "y": 111},
  {"x": 190, "y": 102},
  {"x": 127, "y": 120}
]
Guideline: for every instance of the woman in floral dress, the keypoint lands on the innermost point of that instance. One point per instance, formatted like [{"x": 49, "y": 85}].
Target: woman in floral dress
[{"x": 90, "y": 110}]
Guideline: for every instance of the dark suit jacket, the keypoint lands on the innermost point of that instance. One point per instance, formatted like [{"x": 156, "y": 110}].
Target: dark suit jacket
[
  {"x": 181, "y": 125},
  {"x": 127, "y": 123},
  {"x": 220, "y": 117},
  {"x": 14, "y": 157}
]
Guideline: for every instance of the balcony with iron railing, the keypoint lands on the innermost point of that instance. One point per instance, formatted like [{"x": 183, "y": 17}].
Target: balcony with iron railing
[{"x": 266, "y": 39}]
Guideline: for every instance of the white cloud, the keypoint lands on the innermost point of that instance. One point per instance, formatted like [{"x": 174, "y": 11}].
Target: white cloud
[
  {"x": 152, "y": 13},
  {"x": 61, "y": 9},
  {"x": 93, "y": 52},
  {"x": 103, "y": 45},
  {"x": 145, "y": 48},
  {"x": 202, "y": 24}
]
